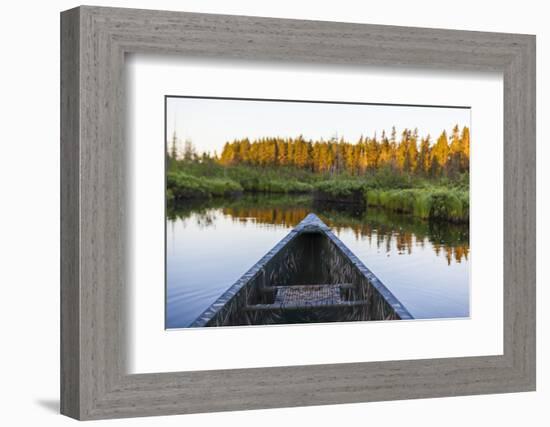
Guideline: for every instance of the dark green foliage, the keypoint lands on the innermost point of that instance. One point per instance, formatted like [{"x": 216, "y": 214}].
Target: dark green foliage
[
  {"x": 435, "y": 203},
  {"x": 183, "y": 186},
  {"x": 340, "y": 187},
  {"x": 443, "y": 198}
]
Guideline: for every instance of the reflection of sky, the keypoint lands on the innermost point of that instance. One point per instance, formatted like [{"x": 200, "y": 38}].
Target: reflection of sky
[
  {"x": 209, "y": 123},
  {"x": 422, "y": 280},
  {"x": 204, "y": 258},
  {"x": 204, "y": 261}
]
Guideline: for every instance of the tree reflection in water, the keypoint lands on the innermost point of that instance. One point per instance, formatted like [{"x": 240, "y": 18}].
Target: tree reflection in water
[{"x": 447, "y": 239}]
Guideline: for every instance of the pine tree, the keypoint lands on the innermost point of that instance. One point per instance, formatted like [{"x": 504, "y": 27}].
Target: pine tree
[
  {"x": 423, "y": 165},
  {"x": 393, "y": 148},
  {"x": 455, "y": 153},
  {"x": 402, "y": 152},
  {"x": 465, "y": 138},
  {"x": 227, "y": 156},
  {"x": 282, "y": 152},
  {"x": 189, "y": 152},
  {"x": 440, "y": 155},
  {"x": 244, "y": 148},
  {"x": 173, "y": 153},
  {"x": 384, "y": 159},
  {"x": 412, "y": 151},
  {"x": 372, "y": 152}
]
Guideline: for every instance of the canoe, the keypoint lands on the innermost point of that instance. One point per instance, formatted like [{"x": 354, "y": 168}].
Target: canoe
[{"x": 310, "y": 276}]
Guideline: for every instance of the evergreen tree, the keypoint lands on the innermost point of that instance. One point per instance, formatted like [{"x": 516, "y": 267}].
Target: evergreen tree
[
  {"x": 423, "y": 165},
  {"x": 440, "y": 155},
  {"x": 455, "y": 153},
  {"x": 465, "y": 159},
  {"x": 189, "y": 152},
  {"x": 393, "y": 148},
  {"x": 410, "y": 156},
  {"x": 412, "y": 152},
  {"x": 173, "y": 153},
  {"x": 385, "y": 155}
]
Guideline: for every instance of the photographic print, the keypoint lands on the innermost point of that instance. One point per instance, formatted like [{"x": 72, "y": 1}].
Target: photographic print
[{"x": 295, "y": 211}]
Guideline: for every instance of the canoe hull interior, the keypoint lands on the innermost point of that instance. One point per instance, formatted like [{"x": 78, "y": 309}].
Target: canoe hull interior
[{"x": 280, "y": 288}]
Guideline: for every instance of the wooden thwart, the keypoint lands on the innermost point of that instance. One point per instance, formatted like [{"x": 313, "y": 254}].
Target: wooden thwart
[{"x": 307, "y": 296}]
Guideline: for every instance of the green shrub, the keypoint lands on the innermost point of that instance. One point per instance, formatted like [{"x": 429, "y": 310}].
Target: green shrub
[
  {"x": 262, "y": 185},
  {"x": 422, "y": 204},
  {"x": 372, "y": 197},
  {"x": 449, "y": 205},
  {"x": 427, "y": 203},
  {"x": 340, "y": 187},
  {"x": 183, "y": 186},
  {"x": 387, "y": 178}
]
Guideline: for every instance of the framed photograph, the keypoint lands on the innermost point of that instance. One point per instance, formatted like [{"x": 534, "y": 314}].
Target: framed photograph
[
  {"x": 262, "y": 213},
  {"x": 304, "y": 173}
]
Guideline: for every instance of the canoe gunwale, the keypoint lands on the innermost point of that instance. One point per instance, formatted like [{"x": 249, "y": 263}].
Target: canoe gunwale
[
  {"x": 243, "y": 281},
  {"x": 310, "y": 224}
]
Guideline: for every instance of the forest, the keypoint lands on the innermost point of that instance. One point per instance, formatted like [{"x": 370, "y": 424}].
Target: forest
[
  {"x": 411, "y": 155},
  {"x": 408, "y": 173}
]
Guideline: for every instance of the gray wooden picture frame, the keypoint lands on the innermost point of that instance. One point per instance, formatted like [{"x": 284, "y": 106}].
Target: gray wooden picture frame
[{"x": 94, "y": 41}]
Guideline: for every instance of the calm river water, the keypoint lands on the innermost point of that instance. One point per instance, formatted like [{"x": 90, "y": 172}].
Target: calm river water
[{"x": 209, "y": 245}]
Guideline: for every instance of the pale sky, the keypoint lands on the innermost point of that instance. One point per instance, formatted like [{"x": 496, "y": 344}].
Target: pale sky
[{"x": 209, "y": 123}]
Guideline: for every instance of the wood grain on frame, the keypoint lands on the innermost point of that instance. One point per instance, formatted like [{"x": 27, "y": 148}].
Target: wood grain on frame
[{"x": 94, "y": 41}]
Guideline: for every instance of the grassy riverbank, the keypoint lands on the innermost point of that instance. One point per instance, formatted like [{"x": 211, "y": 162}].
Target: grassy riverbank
[
  {"x": 181, "y": 185},
  {"x": 440, "y": 199},
  {"x": 437, "y": 203}
]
